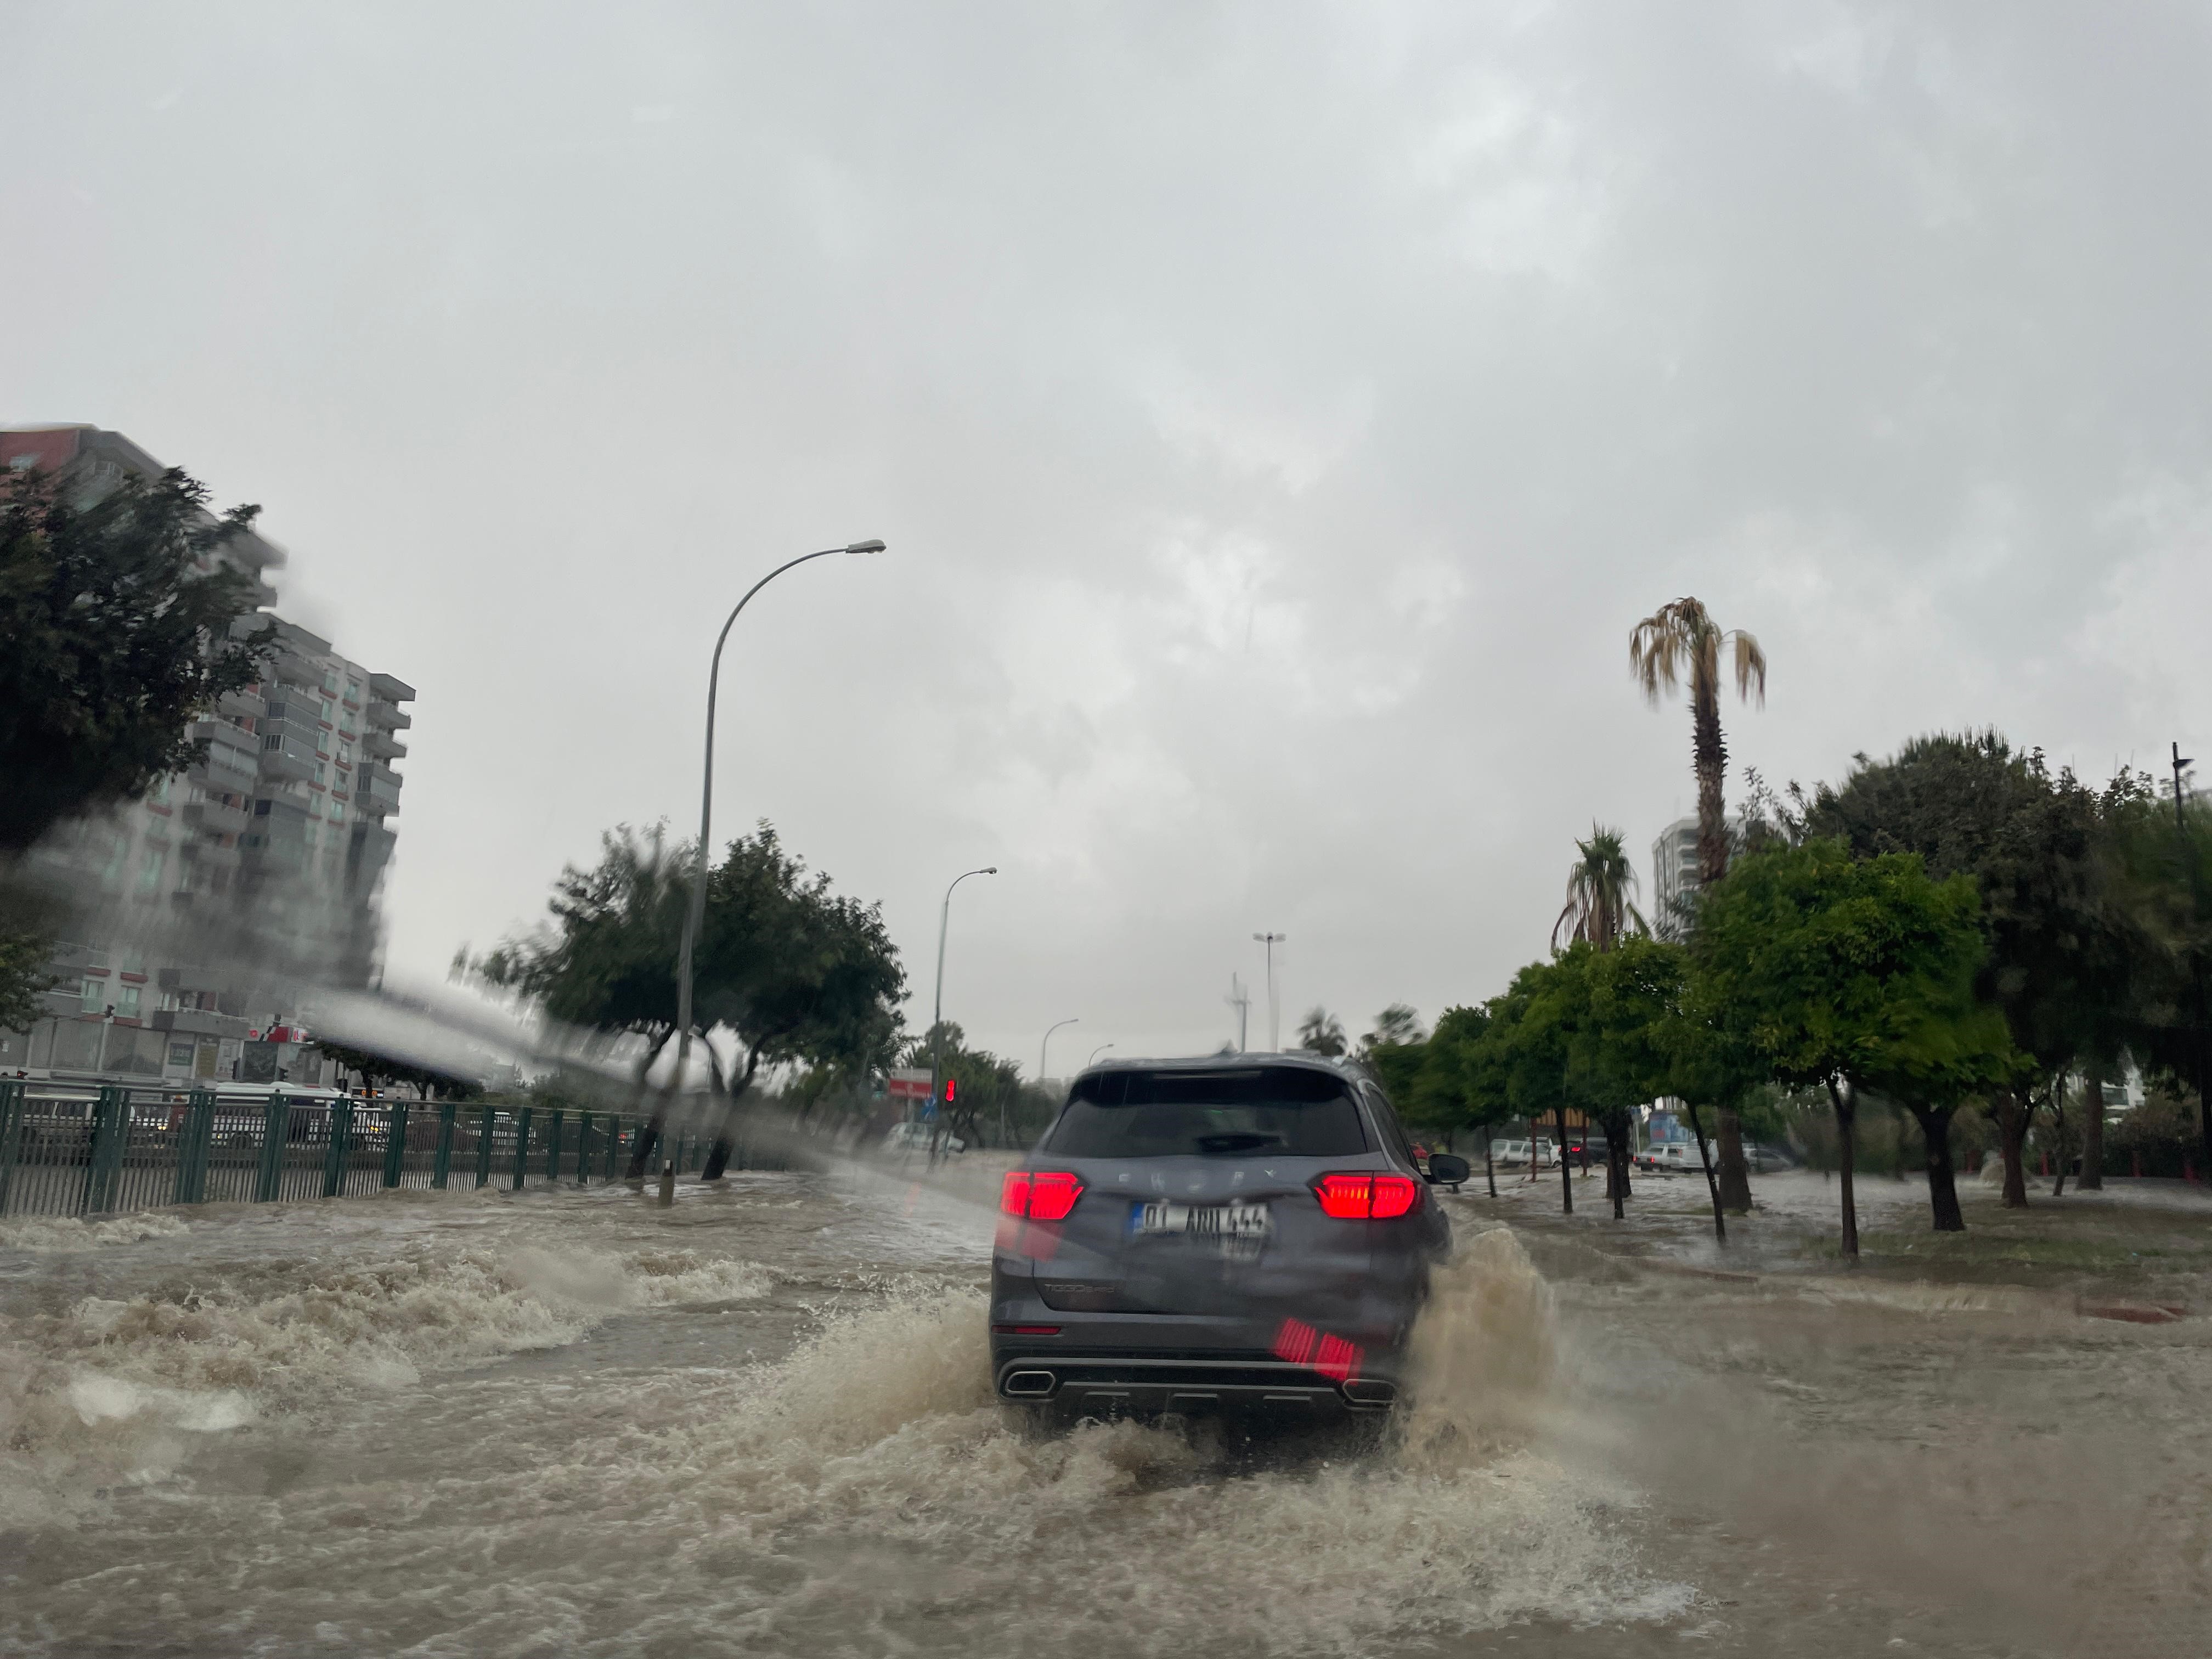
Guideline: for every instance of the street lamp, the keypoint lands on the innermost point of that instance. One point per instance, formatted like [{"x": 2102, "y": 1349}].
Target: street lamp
[
  {"x": 1095, "y": 1053},
  {"x": 1044, "y": 1043},
  {"x": 1274, "y": 1012},
  {"x": 1072, "y": 1019},
  {"x": 696, "y": 910},
  {"x": 937, "y": 1018}
]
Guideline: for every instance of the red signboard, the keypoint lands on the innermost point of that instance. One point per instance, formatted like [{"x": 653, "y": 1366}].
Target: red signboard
[{"x": 907, "y": 1085}]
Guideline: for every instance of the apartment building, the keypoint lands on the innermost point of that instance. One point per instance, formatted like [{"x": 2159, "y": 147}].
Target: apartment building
[
  {"x": 204, "y": 911},
  {"x": 1674, "y": 877}
]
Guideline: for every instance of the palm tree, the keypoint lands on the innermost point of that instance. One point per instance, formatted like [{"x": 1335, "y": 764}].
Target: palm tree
[
  {"x": 1675, "y": 642},
  {"x": 1599, "y": 883},
  {"x": 1682, "y": 639},
  {"x": 1322, "y": 1032}
]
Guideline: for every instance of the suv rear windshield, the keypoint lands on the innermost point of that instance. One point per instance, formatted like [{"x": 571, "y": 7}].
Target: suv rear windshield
[{"x": 1286, "y": 1110}]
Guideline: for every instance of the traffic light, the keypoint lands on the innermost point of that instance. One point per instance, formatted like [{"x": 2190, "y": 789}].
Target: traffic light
[{"x": 950, "y": 1084}]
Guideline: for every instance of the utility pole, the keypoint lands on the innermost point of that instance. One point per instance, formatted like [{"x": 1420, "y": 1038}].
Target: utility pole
[
  {"x": 1274, "y": 1003},
  {"x": 1241, "y": 1000}
]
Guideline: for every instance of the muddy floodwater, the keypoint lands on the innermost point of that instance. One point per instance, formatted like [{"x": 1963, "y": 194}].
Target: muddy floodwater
[{"x": 561, "y": 1422}]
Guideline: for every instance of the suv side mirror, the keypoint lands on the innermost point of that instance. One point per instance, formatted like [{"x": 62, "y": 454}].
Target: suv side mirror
[{"x": 1448, "y": 1169}]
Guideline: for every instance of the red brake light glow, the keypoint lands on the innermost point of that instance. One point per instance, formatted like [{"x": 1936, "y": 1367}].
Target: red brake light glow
[
  {"x": 1040, "y": 1195},
  {"x": 1366, "y": 1197}
]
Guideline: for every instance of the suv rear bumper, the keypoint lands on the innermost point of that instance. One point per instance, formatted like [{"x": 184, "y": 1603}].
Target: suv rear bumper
[{"x": 1122, "y": 1383}]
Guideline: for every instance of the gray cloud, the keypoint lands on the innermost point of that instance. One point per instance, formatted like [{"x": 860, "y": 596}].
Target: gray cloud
[{"x": 1278, "y": 418}]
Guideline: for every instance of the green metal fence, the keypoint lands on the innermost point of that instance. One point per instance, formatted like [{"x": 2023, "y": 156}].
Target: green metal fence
[{"x": 79, "y": 1152}]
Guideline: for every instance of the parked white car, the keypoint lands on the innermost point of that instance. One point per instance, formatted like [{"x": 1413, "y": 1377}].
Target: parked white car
[
  {"x": 1679, "y": 1156},
  {"x": 915, "y": 1137},
  {"x": 1515, "y": 1154}
]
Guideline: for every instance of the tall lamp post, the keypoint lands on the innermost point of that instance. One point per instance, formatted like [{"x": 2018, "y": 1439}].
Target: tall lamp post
[
  {"x": 1043, "y": 1044},
  {"x": 695, "y": 911},
  {"x": 1274, "y": 1010},
  {"x": 937, "y": 1015},
  {"x": 1099, "y": 1050}
]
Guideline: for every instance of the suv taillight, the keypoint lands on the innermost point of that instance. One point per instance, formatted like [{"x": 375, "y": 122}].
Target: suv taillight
[
  {"x": 1366, "y": 1197},
  {"x": 1040, "y": 1195}
]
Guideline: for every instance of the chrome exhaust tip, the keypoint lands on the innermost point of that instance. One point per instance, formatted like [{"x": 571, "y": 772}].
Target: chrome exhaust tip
[
  {"x": 1028, "y": 1385},
  {"x": 1371, "y": 1391}
]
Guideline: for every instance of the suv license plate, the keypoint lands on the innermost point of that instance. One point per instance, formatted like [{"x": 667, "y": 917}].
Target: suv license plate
[{"x": 1226, "y": 1222}]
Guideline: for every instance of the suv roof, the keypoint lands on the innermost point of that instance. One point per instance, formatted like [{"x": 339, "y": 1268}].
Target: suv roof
[{"x": 1302, "y": 1058}]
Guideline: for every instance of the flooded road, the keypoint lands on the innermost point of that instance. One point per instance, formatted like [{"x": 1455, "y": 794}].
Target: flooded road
[{"x": 566, "y": 1423}]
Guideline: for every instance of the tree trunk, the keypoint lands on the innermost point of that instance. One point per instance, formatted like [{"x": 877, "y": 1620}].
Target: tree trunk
[
  {"x": 1489, "y": 1170},
  {"x": 1942, "y": 1179},
  {"x": 1846, "y": 1109},
  {"x": 1566, "y": 1170},
  {"x": 2058, "y": 1135},
  {"x": 1615, "y": 1181},
  {"x": 659, "y": 1122},
  {"x": 1734, "y": 1174},
  {"x": 2012, "y": 1138},
  {"x": 2092, "y": 1178},
  {"x": 718, "y": 1153},
  {"x": 1712, "y": 1186}
]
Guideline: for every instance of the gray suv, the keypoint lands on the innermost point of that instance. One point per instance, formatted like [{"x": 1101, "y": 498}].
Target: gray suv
[{"x": 1244, "y": 1233}]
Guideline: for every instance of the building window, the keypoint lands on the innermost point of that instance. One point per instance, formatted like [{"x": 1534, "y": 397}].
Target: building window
[
  {"x": 92, "y": 994},
  {"x": 346, "y": 754},
  {"x": 149, "y": 872},
  {"x": 126, "y": 1002},
  {"x": 326, "y": 713},
  {"x": 321, "y": 772},
  {"x": 337, "y": 812},
  {"x": 353, "y": 691}
]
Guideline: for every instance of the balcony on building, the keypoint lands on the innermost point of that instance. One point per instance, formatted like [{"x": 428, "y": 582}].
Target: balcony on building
[
  {"x": 376, "y": 789},
  {"x": 242, "y": 703},
  {"x": 386, "y": 716},
  {"x": 199, "y": 1022},
  {"x": 288, "y": 756},
  {"x": 383, "y": 745},
  {"x": 227, "y": 770},
  {"x": 213, "y": 818}
]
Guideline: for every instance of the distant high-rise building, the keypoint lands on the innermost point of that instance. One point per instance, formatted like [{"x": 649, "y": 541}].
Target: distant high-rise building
[
  {"x": 1674, "y": 877},
  {"x": 213, "y": 901}
]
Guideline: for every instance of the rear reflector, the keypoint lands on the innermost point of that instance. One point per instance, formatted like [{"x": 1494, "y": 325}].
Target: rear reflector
[
  {"x": 1025, "y": 1330},
  {"x": 1040, "y": 1195},
  {"x": 1365, "y": 1197}
]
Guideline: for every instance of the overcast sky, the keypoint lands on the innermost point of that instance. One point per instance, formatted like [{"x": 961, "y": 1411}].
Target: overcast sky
[{"x": 1279, "y": 417}]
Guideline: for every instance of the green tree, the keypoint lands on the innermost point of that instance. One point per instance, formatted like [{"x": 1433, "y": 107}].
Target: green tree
[
  {"x": 2064, "y": 953},
  {"x": 1399, "y": 1026},
  {"x": 1680, "y": 640},
  {"x": 25, "y": 952},
  {"x": 123, "y": 626},
  {"x": 1856, "y": 975},
  {"x": 988, "y": 1085},
  {"x": 794, "y": 972},
  {"x": 2162, "y": 858},
  {"x": 1600, "y": 908},
  {"x": 1433, "y": 1085},
  {"x": 1322, "y": 1032}
]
